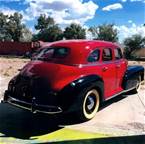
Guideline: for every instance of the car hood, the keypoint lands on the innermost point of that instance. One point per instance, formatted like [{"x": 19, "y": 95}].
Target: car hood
[{"x": 58, "y": 75}]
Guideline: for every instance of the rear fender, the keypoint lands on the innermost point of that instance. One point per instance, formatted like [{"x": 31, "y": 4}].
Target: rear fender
[{"x": 69, "y": 93}]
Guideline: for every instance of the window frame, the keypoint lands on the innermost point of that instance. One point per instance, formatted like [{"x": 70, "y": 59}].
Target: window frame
[
  {"x": 111, "y": 52},
  {"x": 119, "y": 52}
]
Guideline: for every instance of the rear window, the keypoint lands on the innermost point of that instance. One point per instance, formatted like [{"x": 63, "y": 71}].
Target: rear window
[{"x": 52, "y": 53}]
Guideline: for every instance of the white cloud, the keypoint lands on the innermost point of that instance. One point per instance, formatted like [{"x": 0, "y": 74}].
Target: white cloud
[
  {"x": 26, "y": 17},
  {"x": 63, "y": 12},
  {"x": 130, "y": 21},
  {"x": 125, "y": 31},
  {"x": 7, "y": 11},
  {"x": 113, "y": 7}
]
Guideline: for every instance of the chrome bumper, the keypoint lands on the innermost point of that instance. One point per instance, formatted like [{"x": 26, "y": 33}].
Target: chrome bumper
[{"x": 33, "y": 107}]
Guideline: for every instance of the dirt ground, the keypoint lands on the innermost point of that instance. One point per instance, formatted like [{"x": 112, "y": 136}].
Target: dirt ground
[
  {"x": 124, "y": 115},
  {"x": 10, "y": 66}
]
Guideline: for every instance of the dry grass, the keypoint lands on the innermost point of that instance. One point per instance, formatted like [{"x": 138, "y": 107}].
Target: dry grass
[{"x": 10, "y": 66}]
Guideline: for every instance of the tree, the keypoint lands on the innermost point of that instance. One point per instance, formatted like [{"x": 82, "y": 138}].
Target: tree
[
  {"x": 51, "y": 34},
  {"x": 48, "y": 30},
  {"x": 74, "y": 31},
  {"x": 14, "y": 26},
  {"x": 44, "y": 22},
  {"x": 133, "y": 43},
  {"x": 26, "y": 35},
  {"x": 3, "y": 23},
  {"x": 11, "y": 27},
  {"x": 105, "y": 32}
]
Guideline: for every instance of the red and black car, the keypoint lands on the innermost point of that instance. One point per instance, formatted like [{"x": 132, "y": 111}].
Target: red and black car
[{"x": 73, "y": 76}]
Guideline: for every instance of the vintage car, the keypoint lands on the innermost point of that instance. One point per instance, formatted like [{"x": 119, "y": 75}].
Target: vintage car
[{"x": 73, "y": 76}]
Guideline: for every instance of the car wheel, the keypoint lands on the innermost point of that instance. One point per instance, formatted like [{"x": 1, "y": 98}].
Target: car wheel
[{"x": 89, "y": 104}]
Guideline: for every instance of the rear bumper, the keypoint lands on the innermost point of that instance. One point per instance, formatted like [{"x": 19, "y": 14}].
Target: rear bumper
[{"x": 33, "y": 107}]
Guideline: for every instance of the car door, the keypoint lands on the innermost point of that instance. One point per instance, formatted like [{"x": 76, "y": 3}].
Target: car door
[
  {"x": 121, "y": 66},
  {"x": 108, "y": 72}
]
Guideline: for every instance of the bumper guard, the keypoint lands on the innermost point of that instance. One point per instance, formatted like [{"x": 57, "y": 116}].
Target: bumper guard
[{"x": 33, "y": 107}]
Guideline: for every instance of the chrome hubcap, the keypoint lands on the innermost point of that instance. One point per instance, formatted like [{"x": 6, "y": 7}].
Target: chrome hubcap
[{"x": 91, "y": 103}]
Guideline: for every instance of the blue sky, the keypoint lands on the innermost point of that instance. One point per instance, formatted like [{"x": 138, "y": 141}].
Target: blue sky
[
  {"x": 133, "y": 11},
  {"x": 127, "y": 15}
]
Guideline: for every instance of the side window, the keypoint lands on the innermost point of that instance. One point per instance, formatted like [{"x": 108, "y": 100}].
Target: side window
[
  {"x": 94, "y": 56},
  {"x": 107, "y": 54},
  {"x": 60, "y": 52},
  {"x": 117, "y": 53}
]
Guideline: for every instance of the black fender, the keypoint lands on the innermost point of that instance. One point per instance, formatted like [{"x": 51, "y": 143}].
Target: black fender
[
  {"x": 68, "y": 95},
  {"x": 129, "y": 80}
]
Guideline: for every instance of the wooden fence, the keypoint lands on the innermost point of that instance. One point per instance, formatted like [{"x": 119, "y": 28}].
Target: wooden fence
[{"x": 15, "y": 48}]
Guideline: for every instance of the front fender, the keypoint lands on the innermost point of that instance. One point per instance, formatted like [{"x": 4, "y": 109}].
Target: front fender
[{"x": 130, "y": 76}]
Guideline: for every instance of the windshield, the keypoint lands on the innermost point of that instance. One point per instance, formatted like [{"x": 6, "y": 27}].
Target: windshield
[{"x": 51, "y": 53}]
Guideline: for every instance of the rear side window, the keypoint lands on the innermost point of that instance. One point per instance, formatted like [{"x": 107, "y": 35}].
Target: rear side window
[
  {"x": 107, "y": 54},
  {"x": 60, "y": 52},
  {"x": 51, "y": 53},
  {"x": 94, "y": 56},
  {"x": 117, "y": 53}
]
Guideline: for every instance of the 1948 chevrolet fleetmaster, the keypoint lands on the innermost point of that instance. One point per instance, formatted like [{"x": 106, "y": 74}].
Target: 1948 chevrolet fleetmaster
[{"x": 73, "y": 76}]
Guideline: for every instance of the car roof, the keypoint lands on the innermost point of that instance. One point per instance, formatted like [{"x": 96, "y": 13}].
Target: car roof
[
  {"x": 80, "y": 49},
  {"x": 82, "y": 42}
]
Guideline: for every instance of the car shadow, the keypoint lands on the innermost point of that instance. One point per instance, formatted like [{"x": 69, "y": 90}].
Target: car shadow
[
  {"x": 18, "y": 123},
  {"x": 22, "y": 124}
]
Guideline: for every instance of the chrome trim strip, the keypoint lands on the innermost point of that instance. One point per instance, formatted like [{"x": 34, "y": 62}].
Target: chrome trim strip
[
  {"x": 124, "y": 91},
  {"x": 18, "y": 106},
  {"x": 36, "y": 110},
  {"x": 89, "y": 64},
  {"x": 19, "y": 100},
  {"x": 98, "y": 63}
]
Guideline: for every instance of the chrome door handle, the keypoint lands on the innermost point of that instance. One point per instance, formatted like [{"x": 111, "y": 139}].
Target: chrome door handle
[
  {"x": 118, "y": 66},
  {"x": 105, "y": 68}
]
